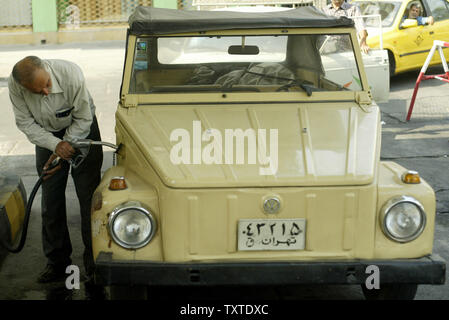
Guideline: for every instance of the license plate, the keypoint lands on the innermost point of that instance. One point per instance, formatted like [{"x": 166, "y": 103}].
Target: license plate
[{"x": 271, "y": 234}]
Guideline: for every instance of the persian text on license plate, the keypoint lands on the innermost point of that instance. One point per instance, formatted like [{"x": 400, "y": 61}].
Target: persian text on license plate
[{"x": 271, "y": 234}]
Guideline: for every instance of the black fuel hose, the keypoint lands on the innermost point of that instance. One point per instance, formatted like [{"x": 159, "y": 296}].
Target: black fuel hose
[
  {"x": 26, "y": 219},
  {"x": 36, "y": 187}
]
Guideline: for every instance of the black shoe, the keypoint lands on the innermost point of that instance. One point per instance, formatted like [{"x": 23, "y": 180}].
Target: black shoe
[
  {"x": 52, "y": 273},
  {"x": 94, "y": 291}
]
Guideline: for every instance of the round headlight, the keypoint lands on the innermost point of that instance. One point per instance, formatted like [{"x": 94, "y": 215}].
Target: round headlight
[
  {"x": 403, "y": 219},
  {"x": 131, "y": 226}
]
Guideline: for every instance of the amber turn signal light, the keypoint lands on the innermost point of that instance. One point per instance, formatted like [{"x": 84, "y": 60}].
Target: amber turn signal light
[
  {"x": 117, "y": 183},
  {"x": 411, "y": 177}
]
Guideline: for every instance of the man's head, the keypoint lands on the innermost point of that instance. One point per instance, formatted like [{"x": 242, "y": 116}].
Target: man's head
[
  {"x": 414, "y": 11},
  {"x": 31, "y": 74},
  {"x": 337, "y": 3}
]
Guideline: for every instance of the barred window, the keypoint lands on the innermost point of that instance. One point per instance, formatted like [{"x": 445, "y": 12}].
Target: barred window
[{"x": 79, "y": 13}]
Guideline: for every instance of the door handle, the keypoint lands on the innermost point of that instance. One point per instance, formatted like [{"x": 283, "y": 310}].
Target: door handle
[{"x": 431, "y": 32}]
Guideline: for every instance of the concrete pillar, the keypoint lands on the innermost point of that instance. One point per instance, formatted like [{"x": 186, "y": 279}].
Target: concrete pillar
[
  {"x": 169, "y": 4},
  {"x": 44, "y": 15}
]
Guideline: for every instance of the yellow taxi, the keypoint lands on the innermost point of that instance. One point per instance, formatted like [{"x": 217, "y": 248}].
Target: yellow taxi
[{"x": 408, "y": 41}]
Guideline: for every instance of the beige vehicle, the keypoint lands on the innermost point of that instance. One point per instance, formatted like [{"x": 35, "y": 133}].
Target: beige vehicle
[{"x": 241, "y": 163}]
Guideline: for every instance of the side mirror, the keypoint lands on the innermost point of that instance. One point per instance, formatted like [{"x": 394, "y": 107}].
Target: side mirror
[{"x": 409, "y": 23}]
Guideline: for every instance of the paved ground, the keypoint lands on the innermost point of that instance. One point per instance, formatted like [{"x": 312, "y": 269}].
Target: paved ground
[{"x": 421, "y": 144}]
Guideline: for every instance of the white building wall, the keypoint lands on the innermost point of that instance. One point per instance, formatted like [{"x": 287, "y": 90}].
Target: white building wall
[{"x": 15, "y": 13}]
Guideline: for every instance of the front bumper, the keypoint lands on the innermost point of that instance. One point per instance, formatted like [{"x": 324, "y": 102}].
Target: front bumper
[{"x": 426, "y": 270}]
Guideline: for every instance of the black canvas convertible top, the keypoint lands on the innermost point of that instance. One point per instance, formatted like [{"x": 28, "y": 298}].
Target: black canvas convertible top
[{"x": 149, "y": 20}]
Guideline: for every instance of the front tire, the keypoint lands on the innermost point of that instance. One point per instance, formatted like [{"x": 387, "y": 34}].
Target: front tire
[
  {"x": 391, "y": 292},
  {"x": 392, "y": 63}
]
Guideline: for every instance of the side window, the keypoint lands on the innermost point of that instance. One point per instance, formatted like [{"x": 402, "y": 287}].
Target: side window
[
  {"x": 418, "y": 9},
  {"x": 439, "y": 9}
]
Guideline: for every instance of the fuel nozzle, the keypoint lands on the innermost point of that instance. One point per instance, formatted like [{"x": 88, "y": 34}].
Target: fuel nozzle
[
  {"x": 82, "y": 148},
  {"x": 53, "y": 164},
  {"x": 85, "y": 143}
]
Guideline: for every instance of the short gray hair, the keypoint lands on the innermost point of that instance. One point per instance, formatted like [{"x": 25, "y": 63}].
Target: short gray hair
[{"x": 24, "y": 70}]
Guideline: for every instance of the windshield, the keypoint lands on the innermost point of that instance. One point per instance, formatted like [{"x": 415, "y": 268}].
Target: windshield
[
  {"x": 270, "y": 63},
  {"x": 387, "y": 11}
]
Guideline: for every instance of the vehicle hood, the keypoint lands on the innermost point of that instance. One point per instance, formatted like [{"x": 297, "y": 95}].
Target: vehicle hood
[{"x": 316, "y": 145}]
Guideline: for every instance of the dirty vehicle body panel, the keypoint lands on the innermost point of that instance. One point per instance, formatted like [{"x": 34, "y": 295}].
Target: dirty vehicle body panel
[
  {"x": 307, "y": 204},
  {"x": 13, "y": 202}
]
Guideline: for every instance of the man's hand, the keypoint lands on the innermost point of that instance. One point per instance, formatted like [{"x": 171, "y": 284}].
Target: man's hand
[
  {"x": 364, "y": 47},
  {"x": 52, "y": 171},
  {"x": 64, "y": 150}
]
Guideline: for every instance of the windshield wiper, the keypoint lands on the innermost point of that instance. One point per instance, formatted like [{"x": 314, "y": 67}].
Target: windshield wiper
[
  {"x": 183, "y": 89},
  {"x": 232, "y": 88},
  {"x": 199, "y": 88},
  {"x": 306, "y": 87}
]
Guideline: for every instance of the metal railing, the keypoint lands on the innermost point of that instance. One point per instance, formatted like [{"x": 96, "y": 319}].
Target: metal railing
[
  {"x": 212, "y": 4},
  {"x": 73, "y": 14}
]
